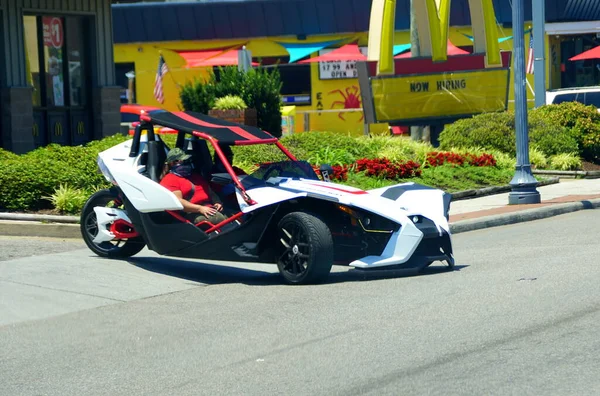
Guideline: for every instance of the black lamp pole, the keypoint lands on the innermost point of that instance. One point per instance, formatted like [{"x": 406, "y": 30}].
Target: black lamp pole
[{"x": 523, "y": 184}]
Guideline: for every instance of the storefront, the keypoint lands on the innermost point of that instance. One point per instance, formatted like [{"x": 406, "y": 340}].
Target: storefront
[
  {"x": 58, "y": 82},
  {"x": 327, "y": 94},
  {"x": 568, "y": 39}
]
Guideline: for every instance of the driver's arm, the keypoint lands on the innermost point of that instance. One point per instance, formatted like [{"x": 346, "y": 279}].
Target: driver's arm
[{"x": 189, "y": 207}]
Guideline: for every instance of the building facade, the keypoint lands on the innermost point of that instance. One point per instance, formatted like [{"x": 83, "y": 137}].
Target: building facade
[
  {"x": 266, "y": 27},
  {"x": 57, "y": 76}
]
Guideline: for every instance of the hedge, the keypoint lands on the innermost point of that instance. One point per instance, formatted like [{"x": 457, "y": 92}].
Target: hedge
[
  {"x": 259, "y": 88},
  {"x": 566, "y": 128},
  {"x": 27, "y": 181}
]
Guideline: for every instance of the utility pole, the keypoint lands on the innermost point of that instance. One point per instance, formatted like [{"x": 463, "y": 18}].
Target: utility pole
[
  {"x": 539, "y": 51},
  {"x": 416, "y": 132},
  {"x": 244, "y": 60},
  {"x": 523, "y": 184}
]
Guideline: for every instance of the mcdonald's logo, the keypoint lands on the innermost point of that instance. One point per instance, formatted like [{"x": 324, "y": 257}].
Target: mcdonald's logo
[
  {"x": 81, "y": 128},
  {"x": 36, "y": 130},
  {"x": 58, "y": 129}
]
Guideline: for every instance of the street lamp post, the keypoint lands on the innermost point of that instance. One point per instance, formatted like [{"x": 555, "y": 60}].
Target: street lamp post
[
  {"x": 539, "y": 51},
  {"x": 523, "y": 184}
]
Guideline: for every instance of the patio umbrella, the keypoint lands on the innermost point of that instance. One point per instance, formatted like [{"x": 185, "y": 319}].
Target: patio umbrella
[
  {"x": 594, "y": 53},
  {"x": 452, "y": 50},
  {"x": 223, "y": 58},
  {"x": 349, "y": 52}
]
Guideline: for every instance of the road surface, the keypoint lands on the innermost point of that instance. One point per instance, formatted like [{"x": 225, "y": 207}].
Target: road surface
[{"x": 519, "y": 316}]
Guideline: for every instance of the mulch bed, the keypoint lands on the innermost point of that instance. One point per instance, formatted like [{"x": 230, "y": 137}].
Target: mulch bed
[{"x": 590, "y": 166}]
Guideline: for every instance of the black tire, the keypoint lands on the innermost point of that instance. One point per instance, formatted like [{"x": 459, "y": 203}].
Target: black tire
[
  {"x": 306, "y": 254},
  {"x": 89, "y": 229}
]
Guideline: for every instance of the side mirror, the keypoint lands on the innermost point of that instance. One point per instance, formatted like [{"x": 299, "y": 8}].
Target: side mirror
[{"x": 326, "y": 170}]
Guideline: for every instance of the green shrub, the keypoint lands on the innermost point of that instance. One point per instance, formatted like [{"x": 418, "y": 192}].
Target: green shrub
[
  {"x": 7, "y": 155},
  {"x": 26, "y": 179},
  {"x": 496, "y": 131},
  {"x": 230, "y": 102},
  {"x": 550, "y": 138},
  {"x": 490, "y": 131},
  {"x": 565, "y": 162},
  {"x": 259, "y": 88},
  {"x": 582, "y": 121},
  {"x": 537, "y": 158},
  {"x": 68, "y": 200},
  {"x": 327, "y": 155}
]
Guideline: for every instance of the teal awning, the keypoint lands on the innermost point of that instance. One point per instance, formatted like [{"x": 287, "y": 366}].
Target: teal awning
[
  {"x": 400, "y": 48},
  {"x": 500, "y": 40},
  {"x": 302, "y": 50}
]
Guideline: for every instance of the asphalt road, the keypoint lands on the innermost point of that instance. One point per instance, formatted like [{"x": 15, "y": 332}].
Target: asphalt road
[{"x": 519, "y": 316}]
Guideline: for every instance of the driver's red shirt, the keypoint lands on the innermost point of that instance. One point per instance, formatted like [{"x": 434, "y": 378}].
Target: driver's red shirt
[{"x": 177, "y": 183}]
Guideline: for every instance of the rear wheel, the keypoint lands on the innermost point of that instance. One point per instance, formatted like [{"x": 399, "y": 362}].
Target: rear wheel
[
  {"x": 117, "y": 248},
  {"x": 306, "y": 249}
]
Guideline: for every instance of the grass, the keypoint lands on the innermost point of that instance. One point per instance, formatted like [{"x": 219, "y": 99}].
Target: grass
[{"x": 448, "y": 178}]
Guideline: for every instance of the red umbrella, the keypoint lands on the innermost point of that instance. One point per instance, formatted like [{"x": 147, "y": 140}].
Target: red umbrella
[
  {"x": 452, "y": 50},
  {"x": 594, "y": 53},
  {"x": 349, "y": 52}
]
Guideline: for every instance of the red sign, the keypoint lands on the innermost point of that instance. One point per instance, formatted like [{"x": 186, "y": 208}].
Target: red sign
[{"x": 53, "y": 32}]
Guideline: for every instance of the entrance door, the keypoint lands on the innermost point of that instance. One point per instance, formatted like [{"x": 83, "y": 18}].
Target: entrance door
[{"x": 58, "y": 72}]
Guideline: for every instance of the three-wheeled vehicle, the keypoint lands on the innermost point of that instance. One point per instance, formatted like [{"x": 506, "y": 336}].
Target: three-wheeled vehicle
[{"x": 282, "y": 213}]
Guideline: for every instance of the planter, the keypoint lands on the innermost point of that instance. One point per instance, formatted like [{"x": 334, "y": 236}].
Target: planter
[{"x": 245, "y": 117}]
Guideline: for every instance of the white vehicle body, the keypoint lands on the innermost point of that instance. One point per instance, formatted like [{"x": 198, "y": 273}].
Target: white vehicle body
[
  {"x": 401, "y": 204},
  {"x": 585, "y": 95}
]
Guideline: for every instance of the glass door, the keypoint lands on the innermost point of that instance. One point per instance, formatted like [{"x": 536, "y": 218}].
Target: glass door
[{"x": 57, "y": 71}]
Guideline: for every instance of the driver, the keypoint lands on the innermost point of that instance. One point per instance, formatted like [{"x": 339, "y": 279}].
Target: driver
[{"x": 199, "y": 202}]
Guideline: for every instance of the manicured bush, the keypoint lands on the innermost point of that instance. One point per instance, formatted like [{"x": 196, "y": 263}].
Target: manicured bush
[
  {"x": 260, "y": 89},
  {"x": 69, "y": 200},
  {"x": 490, "y": 131},
  {"x": 549, "y": 137},
  {"x": 582, "y": 121},
  {"x": 27, "y": 179},
  {"x": 537, "y": 159},
  {"x": 230, "y": 102},
  {"x": 565, "y": 162},
  {"x": 496, "y": 131}
]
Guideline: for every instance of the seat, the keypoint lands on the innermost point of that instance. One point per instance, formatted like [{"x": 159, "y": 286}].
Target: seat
[
  {"x": 201, "y": 157},
  {"x": 157, "y": 155}
]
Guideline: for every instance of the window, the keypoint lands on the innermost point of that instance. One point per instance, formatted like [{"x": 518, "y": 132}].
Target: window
[
  {"x": 75, "y": 57},
  {"x": 32, "y": 58},
  {"x": 55, "y": 60},
  {"x": 125, "y": 75},
  {"x": 565, "y": 98},
  {"x": 592, "y": 98}
]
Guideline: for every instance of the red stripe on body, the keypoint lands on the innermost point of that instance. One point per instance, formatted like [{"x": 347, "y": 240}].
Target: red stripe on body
[
  {"x": 356, "y": 192},
  {"x": 237, "y": 130}
]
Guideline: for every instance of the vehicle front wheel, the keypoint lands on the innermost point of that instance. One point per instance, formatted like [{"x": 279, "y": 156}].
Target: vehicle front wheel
[
  {"x": 117, "y": 248},
  {"x": 307, "y": 249}
]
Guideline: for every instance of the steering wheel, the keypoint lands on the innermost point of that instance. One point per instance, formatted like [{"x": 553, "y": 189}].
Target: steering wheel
[{"x": 271, "y": 170}]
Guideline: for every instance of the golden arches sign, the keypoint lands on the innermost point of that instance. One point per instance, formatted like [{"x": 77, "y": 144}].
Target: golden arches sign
[
  {"x": 80, "y": 128},
  {"x": 58, "y": 129},
  {"x": 433, "y": 21}
]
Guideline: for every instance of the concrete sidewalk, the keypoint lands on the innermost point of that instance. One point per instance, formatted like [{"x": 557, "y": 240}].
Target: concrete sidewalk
[
  {"x": 566, "y": 196},
  {"x": 465, "y": 215}
]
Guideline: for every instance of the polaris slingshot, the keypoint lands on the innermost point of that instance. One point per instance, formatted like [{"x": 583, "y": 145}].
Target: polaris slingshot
[{"x": 283, "y": 212}]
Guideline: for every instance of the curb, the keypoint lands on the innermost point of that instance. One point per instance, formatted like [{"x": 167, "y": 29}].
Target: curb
[
  {"x": 469, "y": 194},
  {"x": 40, "y": 218},
  {"x": 522, "y": 216},
  {"x": 569, "y": 174},
  {"x": 37, "y": 229}
]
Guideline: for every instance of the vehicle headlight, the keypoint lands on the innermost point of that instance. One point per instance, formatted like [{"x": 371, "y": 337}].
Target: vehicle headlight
[{"x": 104, "y": 169}]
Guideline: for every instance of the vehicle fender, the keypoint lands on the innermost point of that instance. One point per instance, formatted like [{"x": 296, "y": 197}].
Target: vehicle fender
[{"x": 105, "y": 217}]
